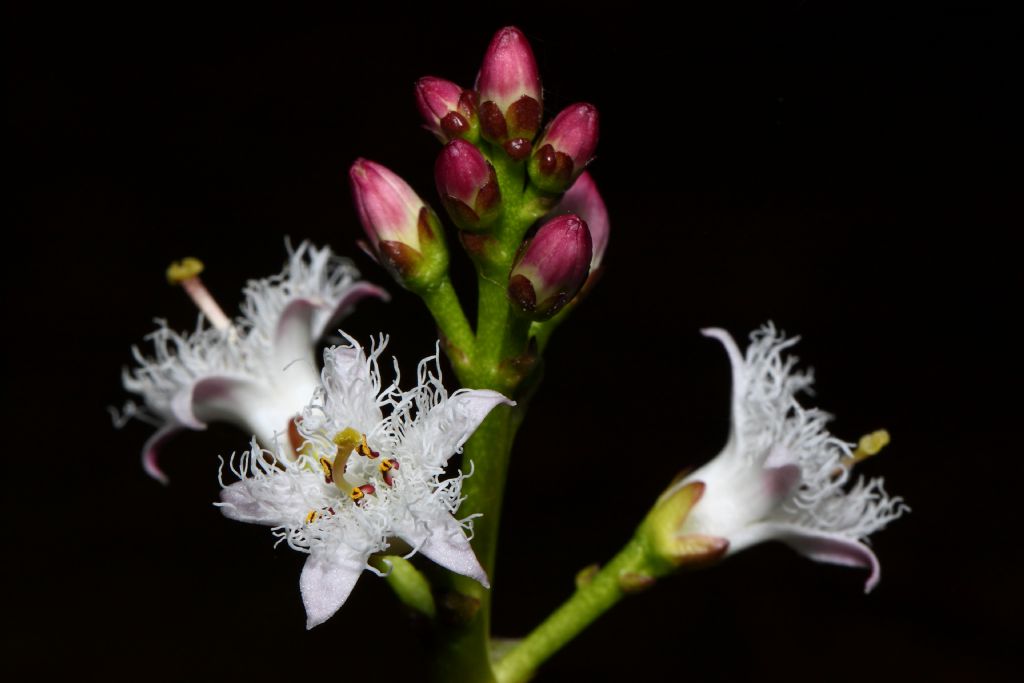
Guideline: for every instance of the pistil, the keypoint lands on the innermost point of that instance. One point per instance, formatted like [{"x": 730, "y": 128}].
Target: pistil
[{"x": 186, "y": 273}]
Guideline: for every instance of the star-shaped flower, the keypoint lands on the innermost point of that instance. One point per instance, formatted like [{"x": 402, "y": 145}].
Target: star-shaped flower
[
  {"x": 781, "y": 475},
  {"x": 256, "y": 372},
  {"x": 365, "y": 479}
]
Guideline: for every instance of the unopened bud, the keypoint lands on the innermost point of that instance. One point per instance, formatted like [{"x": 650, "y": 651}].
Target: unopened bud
[
  {"x": 510, "y": 93},
  {"x": 551, "y": 267},
  {"x": 447, "y": 110},
  {"x": 584, "y": 200},
  {"x": 404, "y": 233},
  {"x": 565, "y": 148},
  {"x": 468, "y": 185}
]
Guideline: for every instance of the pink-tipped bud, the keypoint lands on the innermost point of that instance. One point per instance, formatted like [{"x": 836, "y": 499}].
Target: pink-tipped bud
[
  {"x": 510, "y": 93},
  {"x": 403, "y": 231},
  {"x": 447, "y": 110},
  {"x": 565, "y": 149},
  {"x": 585, "y": 201},
  {"x": 467, "y": 185},
  {"x": 551, "y": 268}
]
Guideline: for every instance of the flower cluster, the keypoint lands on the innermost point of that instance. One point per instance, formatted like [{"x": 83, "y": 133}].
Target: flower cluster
[
  {"x": 365, "y": 477},
  {"x": 256, "y": 372},
  {"x": 348, "y": 469},
  {"x": 781, "y": 475}
]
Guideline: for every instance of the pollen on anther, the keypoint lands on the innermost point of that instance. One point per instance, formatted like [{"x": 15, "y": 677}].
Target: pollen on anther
[
  {"x": 325, "y": 464},
  {"x": 364, "y": 449},
  {"x": 386, "y": 467},
  {"x": 312, "y": 516},
  {"x": 360, "y": 492}
]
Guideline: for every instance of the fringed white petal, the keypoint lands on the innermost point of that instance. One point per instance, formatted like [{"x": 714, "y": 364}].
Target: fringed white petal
[
  {"x": 435, "y": 425},
  {"x": 292, "y": 360},
  {"x": 325, "y": 317},
  {"x": 443, "y": 541},
  {"x": 181, "y": 360},
  {"x": 817, "y": 546},
  {"x": 352, "y": 395},
  {"x": 271, "y": 491},
  {"x": 313, "y": 274},
  {"x": 151, "y": 451},
  {"x": 327, "y": 581},
  {"x": 445, "y": 429}
]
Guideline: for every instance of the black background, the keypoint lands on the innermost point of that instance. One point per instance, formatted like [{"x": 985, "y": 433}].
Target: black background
[{"x": 851, "y": 175}]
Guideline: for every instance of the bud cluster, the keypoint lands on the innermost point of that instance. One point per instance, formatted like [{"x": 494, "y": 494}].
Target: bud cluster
[{"x": 496, "y": 124}]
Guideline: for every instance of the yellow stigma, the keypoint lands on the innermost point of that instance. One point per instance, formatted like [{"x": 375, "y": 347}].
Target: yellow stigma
[
  {"x": 185, "y": 269},
  {"x": 869, "y": 444},
  {"x": 346, "y": 440}
]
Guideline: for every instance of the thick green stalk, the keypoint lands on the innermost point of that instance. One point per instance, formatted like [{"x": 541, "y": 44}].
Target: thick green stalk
[
  {"x": 444, "y": 305},
  {"x": 464, "y": 606},
  {"x": 464, "y": 653},
  {"x": 492, "y": 327}
]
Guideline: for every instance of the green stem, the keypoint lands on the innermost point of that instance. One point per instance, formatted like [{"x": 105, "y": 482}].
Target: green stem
[
  {"x": 443, "y": 303},
  {"x": 591, "y": 599},
  {"x": 463, "y": 605},
  {"x": 492, "y": 327},
  {"x": 464, "y": 654}
]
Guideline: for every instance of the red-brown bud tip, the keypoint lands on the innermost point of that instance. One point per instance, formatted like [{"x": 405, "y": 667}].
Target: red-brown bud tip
[
  {"x": 565, "y": 148},
  {"x": 435, "y": 98}
]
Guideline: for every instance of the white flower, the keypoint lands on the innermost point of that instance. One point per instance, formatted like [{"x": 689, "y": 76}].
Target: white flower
[
  {"x": 257, "y": 372},
  {"x": 782, "y": 476},
  {"x": 363, "y": 478}
]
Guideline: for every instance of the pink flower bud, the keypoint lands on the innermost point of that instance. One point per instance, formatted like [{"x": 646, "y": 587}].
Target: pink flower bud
[
  {"x": 551, "y": 268},
  {"x": 565, "y": 149},
  {"x": 510, "y": 93},
  {"x": 467, "y": 185},
  {"x": 585, "y": 201},
  {"x": 447, "y": 110},
  {"x": 403, "y": 231},
  {"x": 509, "y": 70}
]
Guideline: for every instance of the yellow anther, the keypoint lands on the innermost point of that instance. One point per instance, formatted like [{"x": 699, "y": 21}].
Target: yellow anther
[
  {"x": 869, "y": 444},
  {"x": 185, "y": 269},
  {"x": 357, "y": 493},
  {"x": 312, "y": 516},
  {"x": 325, "y": 465},
  {"x": 385, "y": 466},
  {"x": 364, "y": 448}
]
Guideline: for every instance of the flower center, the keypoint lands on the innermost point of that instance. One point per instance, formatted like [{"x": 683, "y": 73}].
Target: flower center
[{"x": 347, "y": 442}]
